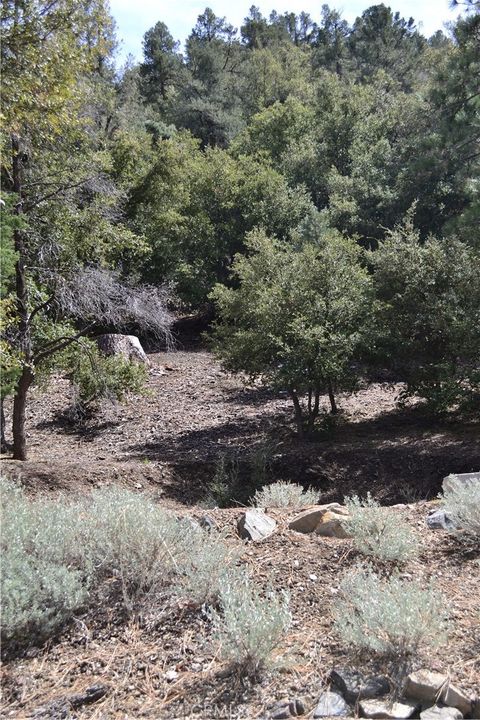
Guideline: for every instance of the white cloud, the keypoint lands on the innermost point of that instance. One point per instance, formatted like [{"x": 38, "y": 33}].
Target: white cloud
[{"x": 135, "y": 18}]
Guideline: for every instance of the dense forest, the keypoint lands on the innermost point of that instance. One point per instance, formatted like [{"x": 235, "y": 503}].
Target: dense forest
[{"x": 312, "y": 186}]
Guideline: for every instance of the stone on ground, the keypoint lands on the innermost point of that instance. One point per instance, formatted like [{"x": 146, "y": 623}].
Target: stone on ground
[
  {"x": 255, "y": 525},
  {"x": 321, "y": 520},
  {"x": 128, "y": 346},
  {"x": 439, "y": 520},
  {"x": 424, "y": 685},
  {"x": 355, "y": 686},
  {"x": 331, "y": 704},
  {"x": 461, "y": 479},
  {"x": 390, "y": 711},
  {"x": 455, "y": 698},
  {"x": 441, "y": 712}
]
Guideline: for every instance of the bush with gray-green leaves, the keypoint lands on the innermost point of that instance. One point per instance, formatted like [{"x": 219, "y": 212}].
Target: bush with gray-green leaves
[
  {"x": 378, "y": 531},
  {"x": 284, "y": 494},
  {"x": 54, "y": 554},
  {"x": 461, "y": 501},
  {"x": 390, "y": 616}
]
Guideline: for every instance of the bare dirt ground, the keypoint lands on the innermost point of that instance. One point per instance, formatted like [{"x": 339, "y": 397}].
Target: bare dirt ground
[{"x": 166, "y": 442}]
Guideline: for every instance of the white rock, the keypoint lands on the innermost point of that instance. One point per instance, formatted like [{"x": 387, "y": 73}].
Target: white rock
[
  {"x": 255, "y": 525},
  {"x": 460, "y": 479},
  {"x": 455, "y": 698},
  {"x": 436, "y": 712},
  {"x": 171, "y": 675},
  {"x": 391, "y": 711}
]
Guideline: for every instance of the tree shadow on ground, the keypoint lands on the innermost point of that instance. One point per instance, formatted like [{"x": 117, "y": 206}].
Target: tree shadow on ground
[{"x": 399, "y": 456}]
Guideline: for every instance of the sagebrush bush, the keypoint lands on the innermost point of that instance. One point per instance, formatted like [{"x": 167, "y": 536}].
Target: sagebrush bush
[
  {"x": 44, "y": 576},
  {"x": 136, "y": 540},
  {"x": 389, "y": 615},
  {"x": 462, "y": 504},
  {"x": 378, "y": 531},
  {"x": 38, "y": 596},
  {"x": 249, "y": 625},
  {"x": 284, "y": 494},
  {"x": 205, "y": 568}
]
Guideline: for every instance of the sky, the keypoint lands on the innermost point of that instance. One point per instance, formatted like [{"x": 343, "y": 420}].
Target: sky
[{"x": 135, "y": 17}]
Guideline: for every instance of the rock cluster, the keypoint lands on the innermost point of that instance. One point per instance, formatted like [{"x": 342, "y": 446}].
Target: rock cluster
[{"x": 426, "y": 695}]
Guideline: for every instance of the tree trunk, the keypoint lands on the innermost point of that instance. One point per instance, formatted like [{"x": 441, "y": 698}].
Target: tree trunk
[
  {"x": 19, "y": 405},
  {"x": 331, "y": 396},
  {"x": 313, "y": 410},
  {"x": 21, "y": 292},
  {"x": 298, "y": 412}
]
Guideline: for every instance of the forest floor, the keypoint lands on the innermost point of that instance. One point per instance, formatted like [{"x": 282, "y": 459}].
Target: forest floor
[{"x": 167, "y": 442}]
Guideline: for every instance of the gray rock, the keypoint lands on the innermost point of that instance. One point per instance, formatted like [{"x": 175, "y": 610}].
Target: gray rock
[
  {"x": 462, "y": 478},
  {"x": 255, "y": 525},
  {"x": 475, "y": 713},
  {"x": 355, "y": 686},
  {"x": 207, "y": 523},
  {"x": 390, "y": 711},
  {"x": 126, "y": 345},
  {"x": 455, "y": 698},
  {"x": 288, "y": 709},
  {"x": 331, "y": 704},
  {"x": 424, "y": 685},
  {"x": 441, "y": 712},
  {"x": 439, "y": 520}
]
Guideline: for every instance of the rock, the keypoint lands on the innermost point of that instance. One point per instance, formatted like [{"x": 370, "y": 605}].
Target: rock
[
  {"x": 126, "y": 345},
  {"x": 331, "y": 525},
  {"x": 207, "y": 523},
  {"x": 354, "y": 686},
  {"x": 424, "y": 685},
  {"x": 441, "y": 712},
  {"x": 255, "y": 525},
  {"x": 475, "y": 712},
  {"x": 288, "y": 709},
  {"x": 171, "y": 675},
  {"x": 331, "y": 704},
  {"x": 439, "y": 520},
  {"x": 455, "y": 698},
  {"x": 383, "y": 709},
  {"x": 463, "y": 478},
  {"x": 309, "y": 520}
]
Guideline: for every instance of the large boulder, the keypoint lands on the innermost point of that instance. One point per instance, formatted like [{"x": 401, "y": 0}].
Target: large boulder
[
  {"x": 462, "y": 479},
  {"x": 128, "y": 346}
]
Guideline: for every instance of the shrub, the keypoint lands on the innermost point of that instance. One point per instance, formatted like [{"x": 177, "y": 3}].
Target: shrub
[
  {"x": 249, "y": 625},
  {"x": 389, "y": 616},
  {"x": 95, "y": 377},
  {"x": 38, "y": 597},
  {"x": 225, "y": 486},
  {"x": 135, "y": 539},
  {"x": 44, "y": 576},
  {"x": 462, "y": 504},
  {"x": 377, "y": 531},
  {"x": 205, "y": 568},
  {"x": 284, "y": 494}
]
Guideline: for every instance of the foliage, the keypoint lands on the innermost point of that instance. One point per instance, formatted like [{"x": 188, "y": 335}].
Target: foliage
[
  {"x": 95, "y": 377},
  {"x": 44, "y": 580},
  {"x": 378, "y": 531},
  {"x": 249, "y": 625},
  {"x": 429, "y": 296},
  {"x": 284, "y": 494},
  {"x": 389, "y": 616},
  {"x": 462, "y": 504},
  {"x": 297, "y": 316},
  {"x": 206, "y": 568}
]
